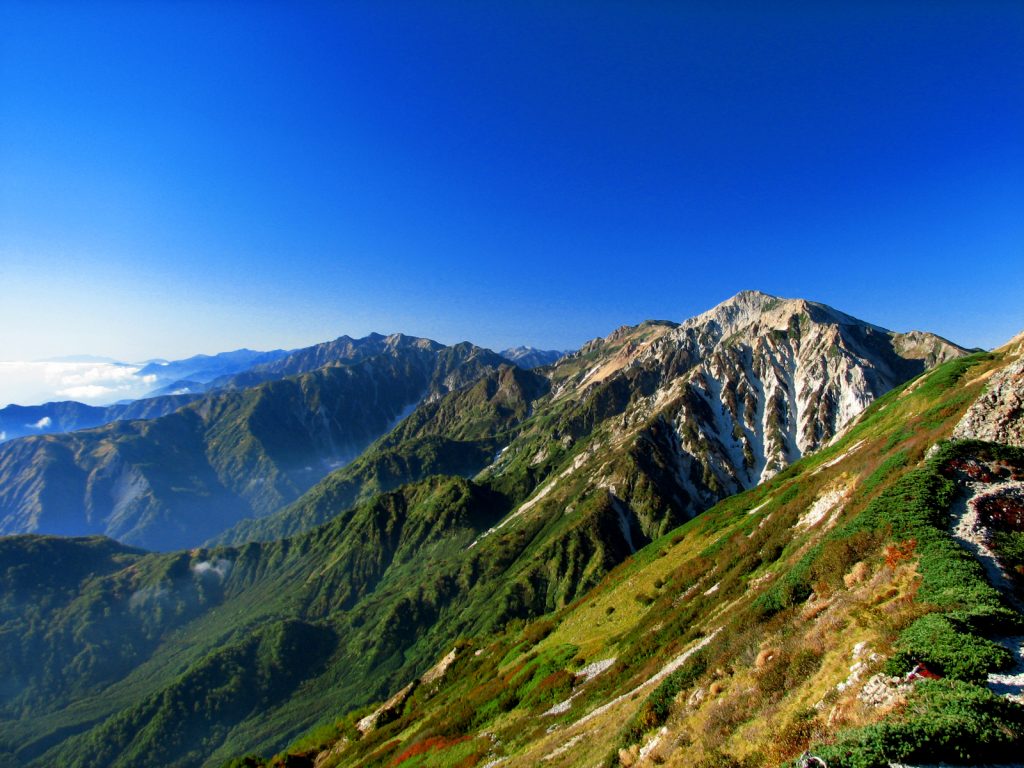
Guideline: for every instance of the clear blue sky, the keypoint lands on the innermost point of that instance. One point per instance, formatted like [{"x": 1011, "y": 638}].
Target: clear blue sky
[{"x": 192, "y": 177}]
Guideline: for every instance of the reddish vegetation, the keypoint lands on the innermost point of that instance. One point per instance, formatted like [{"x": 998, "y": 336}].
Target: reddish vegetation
[
  {"x": 432, "y": 743},
  {"x": 1005, "y": 511},
  {"x": 897, "y": 553},
  {"x": 982, "y": 471},
  {"x": 975, "y": 470},
  {"x": 921, "y": 672}
]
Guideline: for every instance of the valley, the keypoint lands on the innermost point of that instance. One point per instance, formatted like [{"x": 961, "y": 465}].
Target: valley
[{"x": 661, "y": 548}]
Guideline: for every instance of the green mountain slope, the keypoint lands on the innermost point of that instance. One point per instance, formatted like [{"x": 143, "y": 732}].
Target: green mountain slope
[
  {"x": 581, "y": 466},
  {"x": 458, "y": 434},
  {"x": 385, "y": 588},
  {"x": 782, "y": 619},
  {"x": 669, "y": 419},
  {"x": 177, "y": 480}
]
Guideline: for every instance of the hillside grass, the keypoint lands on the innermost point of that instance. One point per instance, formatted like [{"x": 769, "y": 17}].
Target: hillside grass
[{"x": 782, "y": 606}]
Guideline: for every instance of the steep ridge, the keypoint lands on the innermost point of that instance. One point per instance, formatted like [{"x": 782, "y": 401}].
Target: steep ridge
[
  {"x": 180, "y": 382},
  {"x": 729, "y": 398},
  {"x": 785, "y": 619},
  {"x": 384, "y": 588},
  {"x": 177, "y": 480},
  {"x": 456, "y": 435},
  {"x": 764, "y": 380},
  {"x": 341, "y": 351},
  {"x": 668, "y": 419}
]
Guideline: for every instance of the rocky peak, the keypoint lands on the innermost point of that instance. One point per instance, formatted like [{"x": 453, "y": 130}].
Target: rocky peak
[
  {"x": 758, "y": 312},
  {"x": 744, "y": 389},
  {"x": 998, "y": 414},
  {"x": 927, "y": 347}
]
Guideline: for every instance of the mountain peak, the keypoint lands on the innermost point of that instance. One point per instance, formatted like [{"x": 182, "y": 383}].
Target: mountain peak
[
  {"x": 752, "y": 308},
  {"x": 751, "y": 295}
]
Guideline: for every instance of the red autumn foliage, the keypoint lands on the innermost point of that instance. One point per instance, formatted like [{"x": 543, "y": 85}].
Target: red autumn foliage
[
  {"x": 897, "y": 553},
  {"x": 431, "y": 743}
]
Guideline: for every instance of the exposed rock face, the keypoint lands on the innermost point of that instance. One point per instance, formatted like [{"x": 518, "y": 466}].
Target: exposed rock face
[
  {"x": 391, "y": 708},
  {"x": 730, "y": 397},
  {"x": 884, "y": 691},
  {"x": 998, "y": 415},
  {"x": 781, "y": 377},
  {"x": 387, "y": 711}
]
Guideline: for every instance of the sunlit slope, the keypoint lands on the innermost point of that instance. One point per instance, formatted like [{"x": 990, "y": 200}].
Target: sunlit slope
[
  {"x": 665, "y": 419},
  {"x": 612, "y": 449},
  {"x": 756, "y": 630},
  {"x": 458, "y": 434}
]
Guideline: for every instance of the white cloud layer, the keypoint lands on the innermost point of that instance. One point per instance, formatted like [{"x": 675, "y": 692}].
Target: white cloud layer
[
  {"x": 32, "y": 383},
  {"x": 218, "y": 568},
  {"x": 43, "y": 423}
]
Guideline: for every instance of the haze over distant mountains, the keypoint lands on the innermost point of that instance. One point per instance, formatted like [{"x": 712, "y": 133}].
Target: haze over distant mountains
[
  {"x": 262, "y": 437},
  {"x": 333, "y": 522},
  {"x": 101, "y": 381},
  {"x": 94, "y": 378},
  {"x": 531, "y": 357}
]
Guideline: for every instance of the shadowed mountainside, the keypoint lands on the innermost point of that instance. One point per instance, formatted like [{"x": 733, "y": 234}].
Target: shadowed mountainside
[{"x": 179, "y": 479}]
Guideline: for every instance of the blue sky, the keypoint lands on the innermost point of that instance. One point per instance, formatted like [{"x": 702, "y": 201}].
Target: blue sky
[{"x": 193, "y": 177}]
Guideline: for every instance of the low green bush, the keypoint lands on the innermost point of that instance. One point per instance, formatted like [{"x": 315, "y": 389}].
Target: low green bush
[
  {"x": 1009, "y": 548},
  {"x": 943, "y": 720},
  {"x": 943, "y": 646}
]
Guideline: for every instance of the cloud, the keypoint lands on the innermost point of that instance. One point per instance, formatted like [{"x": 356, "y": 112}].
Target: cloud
[
  {"x": 3, "y": 435},
  {"x": 218, "y": 568},
  {"x": 147, "y": 595},
  {"x": 43, "y": 423},
  {"x": 31, "y": 383},
  {"x": 86, "y": 392}
]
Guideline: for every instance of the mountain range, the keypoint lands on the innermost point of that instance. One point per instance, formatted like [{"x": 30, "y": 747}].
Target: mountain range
[
  {"x": 237, "y": 452},
  {"x": 177, "y": 382},
  {"x": 531, "y": 357},
  {"x": 663, "y": 547}
]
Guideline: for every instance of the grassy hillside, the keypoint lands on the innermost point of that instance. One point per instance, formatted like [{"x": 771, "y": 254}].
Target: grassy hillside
[
  {"x": 458, "y": 434},
  {"x": 583, "y": 487},
  {"x": 766, "y": 626}
]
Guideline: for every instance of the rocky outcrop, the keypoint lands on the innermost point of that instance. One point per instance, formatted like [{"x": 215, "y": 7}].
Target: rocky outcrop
[
  {"x": 387, "y": 711},
  {"x": 729, "y": 398},
  {"x": 884, "y": 691},
  {"x": 998, "y": 414},
  {"x": 392, "y": 708}
]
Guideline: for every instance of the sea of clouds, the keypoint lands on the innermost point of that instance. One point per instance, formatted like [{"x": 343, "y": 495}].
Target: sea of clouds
[{"x": 33, "y": 383}]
